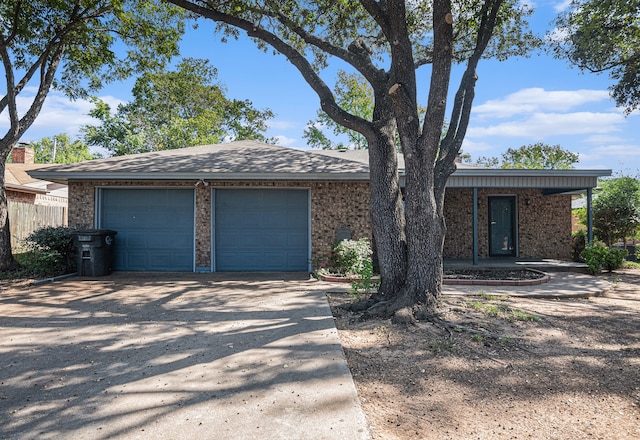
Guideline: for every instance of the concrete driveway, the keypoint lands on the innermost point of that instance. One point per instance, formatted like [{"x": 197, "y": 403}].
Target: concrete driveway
[{"x": 174, "y": 356}]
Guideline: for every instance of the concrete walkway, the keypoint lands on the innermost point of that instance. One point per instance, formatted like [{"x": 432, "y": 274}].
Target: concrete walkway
[
  {"x": 561, "y": 285},
  {"x": 174, "y": 356}
]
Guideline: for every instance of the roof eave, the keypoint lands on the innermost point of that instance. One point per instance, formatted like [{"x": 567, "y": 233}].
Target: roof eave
[
  {"x": 532, "y": 173},
  {"x": 25, "y": 189},
  {"x": 65, "y": 178}
]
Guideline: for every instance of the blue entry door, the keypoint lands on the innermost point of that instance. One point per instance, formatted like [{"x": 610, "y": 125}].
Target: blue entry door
[
  {"x": 261, "y": 230},
  {"x": 502, "y": 224},
  {"x": 155, "y": 228}
]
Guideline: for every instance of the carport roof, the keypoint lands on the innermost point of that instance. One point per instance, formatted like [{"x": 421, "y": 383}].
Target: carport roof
[{"x": 251, "y": 160}]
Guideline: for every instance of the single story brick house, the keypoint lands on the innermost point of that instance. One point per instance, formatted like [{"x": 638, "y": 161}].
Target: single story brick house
[{"x": 248, "y": 206}]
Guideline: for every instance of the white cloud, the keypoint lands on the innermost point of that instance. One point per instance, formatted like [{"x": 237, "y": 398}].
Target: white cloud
[
  {"x": 562, "y": 6},
  {"x": 622, "y": 150},
  {"x": 285, "y": 141},
  {"x": 58, "y": 114},
  {"x": 602, "y": 139},
  {"x": 280, "y": 124},
  {"x": 623, "y": 156},
  {"x": 531, "y": 100},
  {"x": 476, "y": 148},
  {"x": 541, "y": 125}
]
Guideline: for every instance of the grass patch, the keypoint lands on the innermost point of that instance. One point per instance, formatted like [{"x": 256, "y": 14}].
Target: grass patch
[
  {"x": 519, "y": 315},
  {"x": 489, "y": 297},
  {"x": 496, "y": 309},
  {"x": 631, "y": 265}
]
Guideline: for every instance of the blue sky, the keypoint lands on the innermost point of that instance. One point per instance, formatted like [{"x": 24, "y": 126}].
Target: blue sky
[{"x": 518, "y": 102}]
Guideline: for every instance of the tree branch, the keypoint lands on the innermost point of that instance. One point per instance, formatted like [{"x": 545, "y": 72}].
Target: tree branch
[
  {"x": 461, "y": 112},
  {"x": 327, "y": 100},
  {"x": 379, "y": 14}
]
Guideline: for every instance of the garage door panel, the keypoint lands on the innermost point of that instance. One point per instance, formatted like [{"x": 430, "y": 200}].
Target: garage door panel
[
  {"x": 131, "y": 239},
  {"x": 276, "y": 261},
  {"x": 274, "y": 239},
  {"x": 155, "y": 227},
  {"x": 297, "y": 241},
  {"x": 261, "y": 229},
  {"x": 245, "y": 259},
  {"x": 240, "y": 240}
]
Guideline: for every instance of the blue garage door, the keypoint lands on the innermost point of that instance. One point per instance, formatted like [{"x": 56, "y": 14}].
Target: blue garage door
[
  {"x": 261, "y": 230},
  {"x": 155, "y": 228}
]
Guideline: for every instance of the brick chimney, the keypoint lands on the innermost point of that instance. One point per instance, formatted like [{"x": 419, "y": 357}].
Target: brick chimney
[{"x": 22, "y": 154}]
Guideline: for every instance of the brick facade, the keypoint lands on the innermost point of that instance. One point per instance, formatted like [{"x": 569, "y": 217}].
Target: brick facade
[
  {"x": 22, "y": 197},
  {"x": 543, "y": 223},
  {"x": 334, "y": 205}
]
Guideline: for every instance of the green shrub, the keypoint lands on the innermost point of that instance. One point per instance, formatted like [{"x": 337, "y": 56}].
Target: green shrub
[
  {"x": 614, "y": 258},
  {"x": 578, "y": 243},
  {"x": 597, "y": 256},
  {"x": 50, "y": 251},
  {"x": 354, "y": 258}
]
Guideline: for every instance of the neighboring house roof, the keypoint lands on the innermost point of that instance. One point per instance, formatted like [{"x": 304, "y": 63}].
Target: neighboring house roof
[
  {"x": 17, "y": 178},
  {"x": 250, "y": 160}
]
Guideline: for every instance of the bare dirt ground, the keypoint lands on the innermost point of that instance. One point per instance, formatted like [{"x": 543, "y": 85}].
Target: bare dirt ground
[{"x": 530, "y": 369}]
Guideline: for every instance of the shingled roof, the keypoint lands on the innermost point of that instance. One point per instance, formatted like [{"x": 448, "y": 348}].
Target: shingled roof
[
  {"x": 251, "y": 160},
  {"x": 230, "y": 161}
]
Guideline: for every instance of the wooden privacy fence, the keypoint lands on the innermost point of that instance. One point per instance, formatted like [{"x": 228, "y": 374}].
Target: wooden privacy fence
[{"x": 24, "y": 218}]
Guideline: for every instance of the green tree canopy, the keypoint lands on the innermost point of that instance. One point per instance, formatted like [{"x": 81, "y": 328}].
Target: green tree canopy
[
  {"x": 60, "y": 149},
  {"x": 353, "y": 94},
  {"x": 385, "y": 43},
  {"x": 175, "y": 109},
  {"x": 536, "y": 156},
  {"x": 71, "y": 46},
  {"x": 616, "y": 209},
  {"x": 604, "y": 36},
  {"x": 539, "y": 156}
]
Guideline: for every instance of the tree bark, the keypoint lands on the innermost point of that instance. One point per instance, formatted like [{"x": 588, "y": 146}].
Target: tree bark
[
  {"x": 6, "y": 255},
  {"x": 387, "y": 215}
]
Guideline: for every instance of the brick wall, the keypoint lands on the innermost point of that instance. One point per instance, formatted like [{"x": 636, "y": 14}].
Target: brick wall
[
  {"x": 19, "y": 196},
  {"x": 22, "y": 155},
  {"x": 334, "y": 205},
  {"x": 544, "y": 224}
]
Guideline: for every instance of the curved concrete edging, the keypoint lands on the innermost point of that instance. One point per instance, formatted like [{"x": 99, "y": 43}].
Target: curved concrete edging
[
  {"x": 528, "y": 282},
  {"x": 544, "y": 278}
]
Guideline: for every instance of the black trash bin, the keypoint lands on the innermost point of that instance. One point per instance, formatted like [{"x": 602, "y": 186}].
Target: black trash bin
[{"x": 94, "y": 251}]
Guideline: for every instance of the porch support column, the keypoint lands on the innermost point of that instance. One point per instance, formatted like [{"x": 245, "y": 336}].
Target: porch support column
[
  {"x": 475, "y": 226},
  {"x": 589, "y": 216}
]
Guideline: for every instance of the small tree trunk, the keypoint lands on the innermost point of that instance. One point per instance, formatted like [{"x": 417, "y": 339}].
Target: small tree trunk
[
  {"x": 387, "y": 216},
  {"x": 6, "y": 255}
]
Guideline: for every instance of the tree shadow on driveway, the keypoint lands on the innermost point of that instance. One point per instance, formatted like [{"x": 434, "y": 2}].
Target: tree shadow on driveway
[{"x": 173, "y": 356}]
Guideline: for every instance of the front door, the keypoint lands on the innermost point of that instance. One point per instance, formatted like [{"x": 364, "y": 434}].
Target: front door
[{"x": 502, "y": 222}]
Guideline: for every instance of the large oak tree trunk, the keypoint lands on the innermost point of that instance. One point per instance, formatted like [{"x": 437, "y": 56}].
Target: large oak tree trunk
[
  {"x": 420, "y": 295},
  {"x": 387, "y": 216}
]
